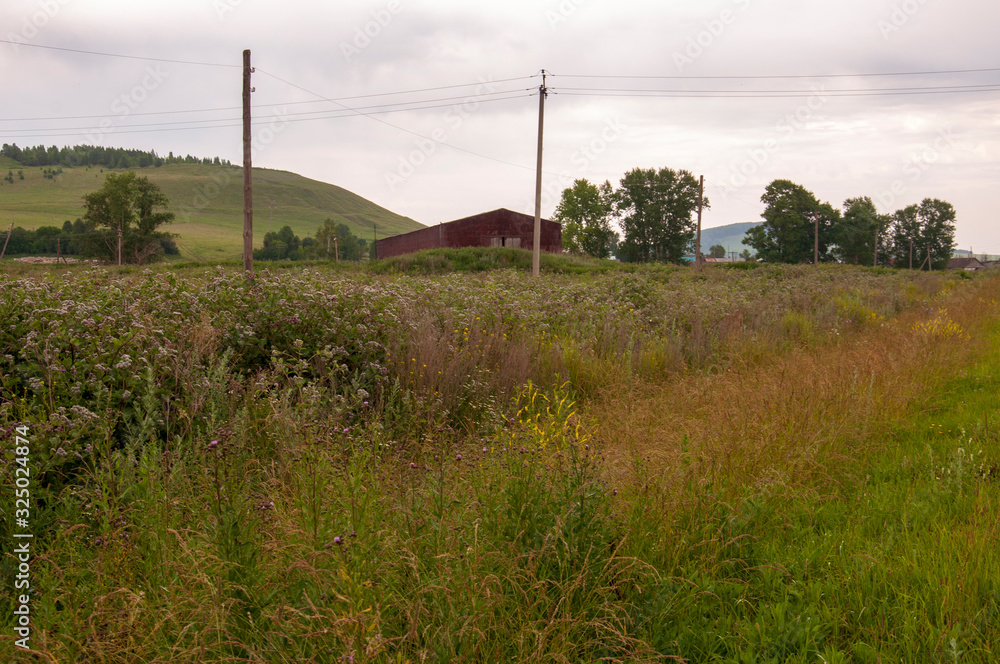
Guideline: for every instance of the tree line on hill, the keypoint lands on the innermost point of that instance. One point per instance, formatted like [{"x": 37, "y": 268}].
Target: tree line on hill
[
  {"x": 656, "y": 210},
  {"x": 95, "y": 155}
]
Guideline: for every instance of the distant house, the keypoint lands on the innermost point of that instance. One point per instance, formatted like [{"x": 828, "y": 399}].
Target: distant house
[
  {"x": 499, "y": 228},
  {"x": 967, "y": 264}
]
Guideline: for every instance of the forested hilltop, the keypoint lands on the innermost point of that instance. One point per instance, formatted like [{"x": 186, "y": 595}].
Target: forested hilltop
[{"x": 96, "y": 155}]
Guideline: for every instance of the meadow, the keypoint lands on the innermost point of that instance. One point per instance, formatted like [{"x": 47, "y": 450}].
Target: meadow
[
  {"x": 403, "y": 463},
  {"x": 207, "y": 201}
]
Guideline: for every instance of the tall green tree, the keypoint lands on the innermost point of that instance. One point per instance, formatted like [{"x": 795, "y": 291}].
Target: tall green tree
[
  {"x": 854, "y": 236},
  {"x": 656, "y": 209},
  {"x": 789, "y": 229},
  {"x": 929, "y": 226},
  {"x": 335, "y": 240},
  {"x": 585, "y": 212},
  {"x": 127, "y": 213}
]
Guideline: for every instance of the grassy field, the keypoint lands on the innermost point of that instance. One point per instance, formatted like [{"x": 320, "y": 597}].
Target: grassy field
[
  {"x": 208, "y": 204},
  {"x": 329, "y": 464}
]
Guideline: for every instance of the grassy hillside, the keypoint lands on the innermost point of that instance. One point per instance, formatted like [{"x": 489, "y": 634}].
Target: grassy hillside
[
  {"x": 208, "y": 202},
  {"x": 729, "y": 236}
]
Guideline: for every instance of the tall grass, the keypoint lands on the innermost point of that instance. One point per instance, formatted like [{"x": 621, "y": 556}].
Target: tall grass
[{"x": 320, "y": 466}]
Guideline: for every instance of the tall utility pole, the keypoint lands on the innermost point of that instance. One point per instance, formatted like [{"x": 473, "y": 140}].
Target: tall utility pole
[
  {"x": 816, "y": 243},
  {"x": 875, "y": 262},
  {"x": 697, "y": 237},
  {"x": 536, "y": 253},
  {"x": 911, "y": 253},
  {"x": 247, "y": 175}
]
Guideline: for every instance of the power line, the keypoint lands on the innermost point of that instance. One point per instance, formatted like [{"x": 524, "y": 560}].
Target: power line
[
  {"x": 513, "y": 94},
  {"x": 788, "y": 76},
  {"x": 397, "y": 127},
  {"x": 116, "y": 55},
  {"x": 168, "y": 126},
  {"x": 789, "y": 95},
  {"x": 288, "y": 103},
  {"x": 982, "y": 87}
]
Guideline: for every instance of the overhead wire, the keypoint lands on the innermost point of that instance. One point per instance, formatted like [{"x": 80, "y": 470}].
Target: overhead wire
[
  {"x": 118, "y": 55},
  {"x": 785, "y": 76},
  {"x": 511, "y": 94},
  {"x": 397, "y": 127}
]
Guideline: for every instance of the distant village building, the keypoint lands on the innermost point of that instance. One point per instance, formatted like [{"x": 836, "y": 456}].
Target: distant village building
[
  {"x": 967, "y": 264},
  {"x": 499, "y": 228}
]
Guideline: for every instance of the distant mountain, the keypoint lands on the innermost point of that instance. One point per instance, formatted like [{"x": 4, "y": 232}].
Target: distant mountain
[
  {"x": 729, "y": 236},
  {"x": 207, "y": 200}
]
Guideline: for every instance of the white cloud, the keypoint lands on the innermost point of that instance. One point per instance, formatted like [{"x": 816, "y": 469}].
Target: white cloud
[{"x": 846, "y": 147}]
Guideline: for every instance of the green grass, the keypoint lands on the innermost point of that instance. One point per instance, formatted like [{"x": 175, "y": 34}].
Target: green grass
[
  {"x": 320, "y": 465},
  {"x": 208, "y": 204},
  {"x": 482, "y": 259}
]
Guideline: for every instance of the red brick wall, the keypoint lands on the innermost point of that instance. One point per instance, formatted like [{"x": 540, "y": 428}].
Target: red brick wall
[{"x": 475, "y": 231}]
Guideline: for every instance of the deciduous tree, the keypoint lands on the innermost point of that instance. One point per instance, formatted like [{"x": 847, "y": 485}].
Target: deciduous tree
[
  {"x": 928, "y": 225},
  {"x": 585, "y": 213},
  {"x": 790, "y": 220},
  {"x": 656, "y": 209},
  {"x": 127, "y": 213}
]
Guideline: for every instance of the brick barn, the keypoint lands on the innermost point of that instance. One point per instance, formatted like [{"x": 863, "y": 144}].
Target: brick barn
[{"x": 499, "y": 228}]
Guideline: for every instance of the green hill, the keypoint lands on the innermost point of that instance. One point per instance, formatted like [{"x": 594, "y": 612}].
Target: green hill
[
  {"x": 729, "y": 236},
  {"x": 207, "y": 201}
]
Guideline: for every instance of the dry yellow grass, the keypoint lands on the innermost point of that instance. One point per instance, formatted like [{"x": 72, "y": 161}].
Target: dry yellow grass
[{"x": 787, "y": 416}]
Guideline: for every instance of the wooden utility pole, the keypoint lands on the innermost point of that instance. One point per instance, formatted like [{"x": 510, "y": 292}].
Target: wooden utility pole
[
  {"x": 536, "y": 253},
  {"x": 247, "y": 174},
  {"x": 875, "y": 262},
  {"x": 930, "y": 266},
  {"x": 816, "y": 243},
  {"x": 9, "y": 233},
  {"x": 336, "y": 249},
  {"x": 911, "y": 253},
  {"x": 697, "y": 237}
]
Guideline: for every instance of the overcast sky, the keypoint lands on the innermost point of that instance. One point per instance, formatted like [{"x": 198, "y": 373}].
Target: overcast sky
[{"x": 471, "y": 148}]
